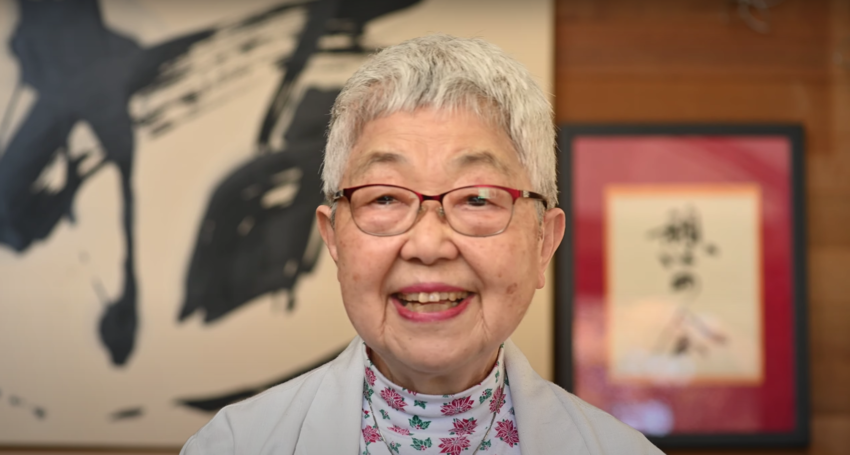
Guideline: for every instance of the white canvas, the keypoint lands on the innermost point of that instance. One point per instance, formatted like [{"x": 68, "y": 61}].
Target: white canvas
[
  {"x": 57, "y": 385},
  {"x": 682, "y": 311}
]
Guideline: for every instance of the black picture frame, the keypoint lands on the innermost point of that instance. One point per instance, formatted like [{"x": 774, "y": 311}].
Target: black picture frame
[{"x": 564, "y": 273}]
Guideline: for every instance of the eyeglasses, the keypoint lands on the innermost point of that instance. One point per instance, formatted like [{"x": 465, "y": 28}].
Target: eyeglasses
[{"x": 477, "y": 211}]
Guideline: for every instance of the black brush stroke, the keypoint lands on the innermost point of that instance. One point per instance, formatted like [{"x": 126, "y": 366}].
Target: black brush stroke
[
  {"x": 231, "y": 265},
  {"x": 82, "y": 71},
  {"x": 216, "y": 402},
  {"x": 128, "y": 413}
]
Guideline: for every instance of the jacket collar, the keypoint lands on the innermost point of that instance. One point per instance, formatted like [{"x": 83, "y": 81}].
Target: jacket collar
[
  {"x": 543, "y": 422},
  {"x": 542, "y": 419},
  {"x": 336, "y": 405}
]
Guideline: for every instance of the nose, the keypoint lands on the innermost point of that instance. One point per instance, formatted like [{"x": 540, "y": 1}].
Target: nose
[{"x": 431, "y": 239}]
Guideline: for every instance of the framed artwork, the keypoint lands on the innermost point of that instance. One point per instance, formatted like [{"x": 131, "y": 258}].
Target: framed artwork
[{"x": 680, "y": 303}]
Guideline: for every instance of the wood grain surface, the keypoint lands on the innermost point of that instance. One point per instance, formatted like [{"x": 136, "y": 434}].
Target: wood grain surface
[{"x": 674, "y": 61}]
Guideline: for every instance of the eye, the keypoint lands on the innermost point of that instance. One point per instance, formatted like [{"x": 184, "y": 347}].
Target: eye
[
  {"x": 476, "y": 201},
  {"x": 385, "y": 199}
]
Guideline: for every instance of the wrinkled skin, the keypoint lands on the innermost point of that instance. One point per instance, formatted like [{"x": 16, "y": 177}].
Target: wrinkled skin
[{"x": 432, "y": 152}]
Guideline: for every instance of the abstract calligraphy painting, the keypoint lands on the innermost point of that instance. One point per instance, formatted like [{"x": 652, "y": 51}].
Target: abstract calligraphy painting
[{"x": 159, "y": 175}]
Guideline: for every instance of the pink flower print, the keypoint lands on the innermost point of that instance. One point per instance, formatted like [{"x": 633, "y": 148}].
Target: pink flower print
[
  {"x": 370, "y": 434},
  {"x": 370, "y": 376},
  {"x": 507, "y": 432},
  {"x": 400, "y": 430},
  {"x": 457, "y": 406},
  {"x": 464, "y": 426},
  {"x": 498, "y": 400},
  {"x": 454, "y": 446},
  {"x": 393, "y": 399}
]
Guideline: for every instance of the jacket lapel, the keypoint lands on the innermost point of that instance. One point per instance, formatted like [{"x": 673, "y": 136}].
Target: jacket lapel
[
  {"x": 543, "y": 423},
  {"x": 332, "y": 424}
]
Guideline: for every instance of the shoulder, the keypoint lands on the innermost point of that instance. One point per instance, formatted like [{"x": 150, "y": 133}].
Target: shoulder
[
  {"x": 602, "y": 430},
  {"x": 247, "y": 426}
]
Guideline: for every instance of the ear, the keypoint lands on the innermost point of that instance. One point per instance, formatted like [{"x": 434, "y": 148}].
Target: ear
[
  {"x": 554, "y": 224},
  {"x": 323, "y": 219}
]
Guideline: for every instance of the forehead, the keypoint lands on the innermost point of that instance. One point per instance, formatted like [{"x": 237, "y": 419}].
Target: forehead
[
  {"x": 463, "y": 159},
  {"x": 448, "y": 142}
]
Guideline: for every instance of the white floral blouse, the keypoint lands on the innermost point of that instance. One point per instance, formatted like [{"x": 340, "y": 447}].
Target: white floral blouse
[{"x": 437, "y": 424}]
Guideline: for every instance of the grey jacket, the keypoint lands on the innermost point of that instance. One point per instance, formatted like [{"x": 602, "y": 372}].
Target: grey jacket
[{"x": 294, "y": 417}]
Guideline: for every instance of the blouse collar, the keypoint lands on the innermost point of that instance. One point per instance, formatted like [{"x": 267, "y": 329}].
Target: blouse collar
[{"x": 406, "y": 413}]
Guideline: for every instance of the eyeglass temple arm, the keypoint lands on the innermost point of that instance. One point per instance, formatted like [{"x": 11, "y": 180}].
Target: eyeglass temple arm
[{"x": 533, "y": 195}]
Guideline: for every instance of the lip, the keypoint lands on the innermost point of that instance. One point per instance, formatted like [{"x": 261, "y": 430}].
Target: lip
[
  {"x": 431, "y": 317},
  {"x": 429, "y": 287}
]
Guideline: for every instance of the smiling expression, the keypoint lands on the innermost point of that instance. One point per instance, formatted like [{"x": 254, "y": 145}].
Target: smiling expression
[{"x": 431, "y": 301}]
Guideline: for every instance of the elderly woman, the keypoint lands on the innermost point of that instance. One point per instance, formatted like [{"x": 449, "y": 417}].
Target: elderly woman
[{"x": 440, "y": 173}]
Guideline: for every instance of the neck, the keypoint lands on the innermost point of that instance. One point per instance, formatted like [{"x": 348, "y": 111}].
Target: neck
[{"x": 473, "y": 372}]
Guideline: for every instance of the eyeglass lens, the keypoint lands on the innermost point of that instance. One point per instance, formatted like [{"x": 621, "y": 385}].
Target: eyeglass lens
[{"x": 475, "y": 211}]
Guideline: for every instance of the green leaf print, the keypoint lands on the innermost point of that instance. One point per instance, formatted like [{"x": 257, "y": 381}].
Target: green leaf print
[
  {"x": 419, "y": 424},
  {"x": 486, "y": 395},
  {"x": 420, "y": 444},
  {"x": 394, "y": 446},
  {"x": 384, "y": 414},
  {"x": 421, "y": 404},
  {"x": 484, "y": 445},
  {"x": 497, "y": 376}
]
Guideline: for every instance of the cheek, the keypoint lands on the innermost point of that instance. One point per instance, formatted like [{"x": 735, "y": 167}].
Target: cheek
[
  {"x": 362, "y": 269},
  {"x": 512, "y": 261},
  {"x": 517, "y": 296},
  {"x": 359, "y": 286},
  {"x": 508, "y": 269}
]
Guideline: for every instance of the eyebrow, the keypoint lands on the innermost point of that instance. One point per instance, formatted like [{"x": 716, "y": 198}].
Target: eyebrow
[
  {"x": 478, "y": 157},
  {"x": 376, "y": 157}
]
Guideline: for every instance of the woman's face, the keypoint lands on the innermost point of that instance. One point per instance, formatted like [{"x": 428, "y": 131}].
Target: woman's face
[{"x": 432, "y": 152}]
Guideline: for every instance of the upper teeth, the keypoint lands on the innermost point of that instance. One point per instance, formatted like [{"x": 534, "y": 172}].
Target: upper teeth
[{"x": 425, "y": 297}]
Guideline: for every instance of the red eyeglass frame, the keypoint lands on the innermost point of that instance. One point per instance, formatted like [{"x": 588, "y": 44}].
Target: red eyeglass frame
[{"x": 515, "y": 193}]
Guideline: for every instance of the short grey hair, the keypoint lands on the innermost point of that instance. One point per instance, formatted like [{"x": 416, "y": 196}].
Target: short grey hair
[{"x": 444, "y": 72}]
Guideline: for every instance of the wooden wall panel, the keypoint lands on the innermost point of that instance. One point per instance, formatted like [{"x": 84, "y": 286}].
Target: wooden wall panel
[{"x": 657, "y": 61}]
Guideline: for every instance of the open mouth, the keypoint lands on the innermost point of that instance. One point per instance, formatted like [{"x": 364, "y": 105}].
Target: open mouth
[{"x": 431, "y": 302}]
